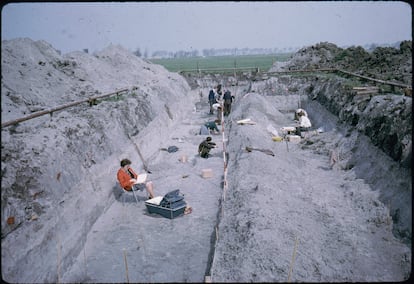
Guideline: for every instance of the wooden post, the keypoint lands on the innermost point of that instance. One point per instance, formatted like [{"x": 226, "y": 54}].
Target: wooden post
[
  {"x": 59, "y": 251},
  {"x": 126, "y": 265},
  {"x": 293, "y": 259},
  {"x": 145, "y": 165}
]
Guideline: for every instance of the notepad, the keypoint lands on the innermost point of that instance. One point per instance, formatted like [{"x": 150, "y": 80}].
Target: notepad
[{"x": 141, "y": 178}]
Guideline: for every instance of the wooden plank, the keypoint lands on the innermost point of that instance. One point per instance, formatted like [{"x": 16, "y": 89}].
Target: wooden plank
[
  {"x": 375, "y": 80},
  {"x": 365, "y": 88},
  {"x": 367, "y": 92},
  {"x": 43, "y": 112}
]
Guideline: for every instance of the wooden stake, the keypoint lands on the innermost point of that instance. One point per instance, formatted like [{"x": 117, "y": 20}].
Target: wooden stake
[
  {"x": 287, "y": 145},
  {"x": 84, "y": 257},
  {"x": 293, "y": 259},
  {"x": 58, "y": 259},
  {"x": 140, "y": 154},
  {"x": 126, "y": 266}
]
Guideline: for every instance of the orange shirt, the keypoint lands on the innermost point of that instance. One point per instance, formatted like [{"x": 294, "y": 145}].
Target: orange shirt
[{"x": 124, "y": 178}]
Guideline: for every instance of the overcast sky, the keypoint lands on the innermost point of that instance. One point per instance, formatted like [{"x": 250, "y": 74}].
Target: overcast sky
[{"x": 174, "y": 26}]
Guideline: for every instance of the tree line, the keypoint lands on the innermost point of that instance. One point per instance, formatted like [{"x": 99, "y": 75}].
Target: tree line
[
  {"x": 207, "y": 52},
  {"x": 212, "y": 52}
]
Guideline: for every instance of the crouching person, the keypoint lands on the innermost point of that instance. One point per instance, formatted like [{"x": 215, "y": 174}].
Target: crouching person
[
  {"x": 209, "y": 127},
  {"x": 205, "y": 147},
  {"x": 304, "y": 124},
  {"x": 127, "y": 179},
  {"x": 300, "y": 112}
]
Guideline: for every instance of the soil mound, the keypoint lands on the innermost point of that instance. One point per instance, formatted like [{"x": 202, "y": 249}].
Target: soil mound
[{"x": 384, "y": 63}]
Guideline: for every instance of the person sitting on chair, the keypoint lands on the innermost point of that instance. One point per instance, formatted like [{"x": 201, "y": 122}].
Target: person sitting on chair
[{"x": 127, "y": 178}]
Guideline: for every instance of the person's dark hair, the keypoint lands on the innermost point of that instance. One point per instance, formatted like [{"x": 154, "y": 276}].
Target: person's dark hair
[
  {"x": 125, "y": 162},
  {"x": 208, "y": 138}
]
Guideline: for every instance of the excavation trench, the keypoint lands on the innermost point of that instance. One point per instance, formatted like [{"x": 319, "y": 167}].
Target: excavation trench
[
  {"x": 234, "y": 233},
  {"x": 340, "y": 203}
]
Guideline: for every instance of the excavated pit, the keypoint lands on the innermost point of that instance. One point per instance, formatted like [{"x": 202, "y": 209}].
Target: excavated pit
[{"x": 347, "y": 221}]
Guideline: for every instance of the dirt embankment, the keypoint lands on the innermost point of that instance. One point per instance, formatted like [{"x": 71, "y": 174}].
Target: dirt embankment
[
  {"x": 298, "y": 203},
  {"x": 58, "y": 170},
  {"x": 387, "y": 118},
  {"x": 383, "y": 63}
]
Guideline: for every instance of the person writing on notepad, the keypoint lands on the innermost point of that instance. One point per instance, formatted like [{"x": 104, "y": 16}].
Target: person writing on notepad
[{"x": 129, "y": 180}]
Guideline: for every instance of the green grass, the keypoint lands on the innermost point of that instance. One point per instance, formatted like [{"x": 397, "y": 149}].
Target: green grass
[{"x": 264, "y": 62}]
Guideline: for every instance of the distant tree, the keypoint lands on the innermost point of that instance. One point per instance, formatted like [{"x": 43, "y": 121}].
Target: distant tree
[
  {"x": 208, "y": 52},
  {"x": 162, "y": 54},
  {"x": 137, "y": 52},
  {"x": 194, "y": 53}
]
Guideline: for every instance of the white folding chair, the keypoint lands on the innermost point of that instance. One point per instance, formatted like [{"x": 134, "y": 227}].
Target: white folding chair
[{"x": 128, "y": 192}]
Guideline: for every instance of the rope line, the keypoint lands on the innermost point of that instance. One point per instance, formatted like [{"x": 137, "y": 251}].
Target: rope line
[{"x": 209, "y": 278}]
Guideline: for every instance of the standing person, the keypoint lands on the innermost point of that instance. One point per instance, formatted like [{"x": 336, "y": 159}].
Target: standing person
[
  {"x": 219, "y": 92},
  {"x": 228, "y": 99},
  {"x": 205, "y": 147},
  {"x": 127, "y": 178},
  {"x": 212, "y": 100},
  {"x": 219, "y": 112}
]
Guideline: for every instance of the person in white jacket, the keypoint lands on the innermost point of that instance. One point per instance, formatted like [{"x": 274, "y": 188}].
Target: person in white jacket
[
  {"x": 300, "y": 112},
  {"x": 304, "y": 123}
]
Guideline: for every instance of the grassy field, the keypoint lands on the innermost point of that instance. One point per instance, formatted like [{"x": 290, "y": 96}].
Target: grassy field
[{"x": 264, "y": 62}]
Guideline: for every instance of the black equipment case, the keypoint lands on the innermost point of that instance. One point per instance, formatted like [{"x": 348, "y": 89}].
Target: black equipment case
[{"x": 171, "y": 205}]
